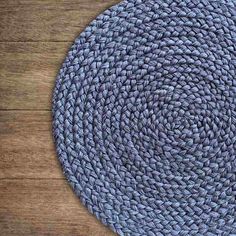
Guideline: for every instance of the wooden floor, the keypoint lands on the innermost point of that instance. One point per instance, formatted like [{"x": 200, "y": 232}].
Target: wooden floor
[{"x": 35, "y": 198}]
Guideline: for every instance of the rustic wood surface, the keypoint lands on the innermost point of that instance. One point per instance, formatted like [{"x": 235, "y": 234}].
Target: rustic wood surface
[{"x": 35, "y": 198}]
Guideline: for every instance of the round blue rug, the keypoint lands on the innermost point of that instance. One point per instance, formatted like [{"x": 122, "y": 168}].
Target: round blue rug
[{"x": 144, "y": 117}]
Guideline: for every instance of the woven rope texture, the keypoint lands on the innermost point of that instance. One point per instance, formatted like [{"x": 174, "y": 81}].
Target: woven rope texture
[{"x": 144, "y": 117}]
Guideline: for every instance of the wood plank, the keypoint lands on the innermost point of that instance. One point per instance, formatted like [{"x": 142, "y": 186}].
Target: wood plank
[
  {"x": 26, "y": 144},
  {"x": 59, "y": 3},
  {"x": 28, "y": 69},
  {"x": 54, "y": 20},
  {"x": 44, "y": 207},
  {"x": 28, "y": 72}
]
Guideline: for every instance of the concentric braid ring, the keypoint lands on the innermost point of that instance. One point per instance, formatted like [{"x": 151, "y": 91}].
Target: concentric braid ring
[{"x": 144, "y": 117}]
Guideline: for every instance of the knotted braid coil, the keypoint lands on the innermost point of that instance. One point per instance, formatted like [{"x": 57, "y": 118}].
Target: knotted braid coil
[{"x": 144, "y": 117}]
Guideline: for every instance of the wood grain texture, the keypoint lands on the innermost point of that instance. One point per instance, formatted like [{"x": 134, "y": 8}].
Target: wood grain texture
[
  {"x": 27, "y": 145},
  {"x": 28, "y": 72},
  {"x": 47, "y": 20},
  {"x": 35, "y": 198},
  {"x": 44, "y": 207}
]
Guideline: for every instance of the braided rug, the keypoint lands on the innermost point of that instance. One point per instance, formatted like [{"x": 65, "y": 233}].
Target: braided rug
[{"x": 144, "y": 117}]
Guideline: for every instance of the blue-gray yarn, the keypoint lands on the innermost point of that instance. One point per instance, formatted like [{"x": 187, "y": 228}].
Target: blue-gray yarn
[{"x": 144, "y": 117}]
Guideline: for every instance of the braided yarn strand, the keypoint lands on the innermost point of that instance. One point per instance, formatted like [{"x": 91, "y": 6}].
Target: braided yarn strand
[{"x": 144, "y": 117}]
